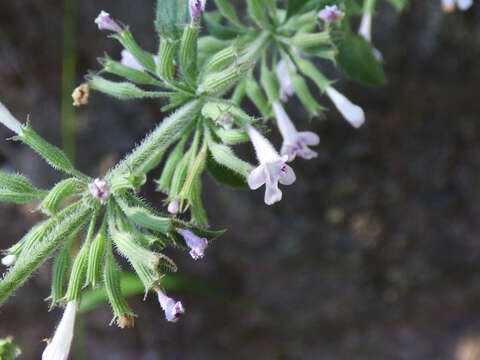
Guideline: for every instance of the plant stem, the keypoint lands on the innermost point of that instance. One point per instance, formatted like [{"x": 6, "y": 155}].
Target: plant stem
[
  {"x": 68, "y": 78},
  {"x": 148, "y": 154}
]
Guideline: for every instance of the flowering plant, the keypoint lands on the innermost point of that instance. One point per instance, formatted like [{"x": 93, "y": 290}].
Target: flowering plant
[{"x": 206, "y": 80}]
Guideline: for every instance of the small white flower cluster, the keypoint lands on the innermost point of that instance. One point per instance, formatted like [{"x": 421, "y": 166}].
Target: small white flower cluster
[{"x": 273, "y": 168}]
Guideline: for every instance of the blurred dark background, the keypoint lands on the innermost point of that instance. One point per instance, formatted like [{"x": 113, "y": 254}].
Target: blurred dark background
[{"x": 373, "y": 253}]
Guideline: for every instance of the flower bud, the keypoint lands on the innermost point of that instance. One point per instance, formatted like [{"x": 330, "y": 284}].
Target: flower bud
[
  {"x": 7, "y": 119},
  {"x": 80, "y": 95},
  {"x": 99, "y": 189},
  {"x": 330, "y": 13},
  {"x": 105, "y": 22},
  {"x": 9, "y": 260},
  {"x": 173, "y": 207},
  {"x": 352, "y": 113},
  {"x": 196, "y": 8}
]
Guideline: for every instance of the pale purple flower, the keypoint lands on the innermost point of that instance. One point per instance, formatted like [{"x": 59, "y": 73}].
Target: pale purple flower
[
  {"x": 99, "y": 189},
  {"x": 196, "y": 244},
  {"x": 464, "y": 4},
  {"x": 59, "y": 347},
  {"x": 294, "y": 142},
  {"x": 105, "y": 22},
  {"x": 172, "y": 309},
  {"x": 330, "y": 13},
  {"x": 9, "y": 260},
  {"x": 284, "y": 79},
  {"x": 196, "y": 8},
  {"x": 450, "y": 5},
  {"x": 173, "y": 206},
  {"x": 271, "y": 170},
  {"x": 128, "y": 60},
  {"x": 352, "y": 113}
]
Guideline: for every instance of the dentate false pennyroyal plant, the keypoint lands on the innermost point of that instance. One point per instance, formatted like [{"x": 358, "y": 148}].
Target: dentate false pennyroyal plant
[{"x": 265, "y": 59}]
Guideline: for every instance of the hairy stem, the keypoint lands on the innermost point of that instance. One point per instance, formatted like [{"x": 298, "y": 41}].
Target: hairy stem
[{"x": 148, "y": 154}]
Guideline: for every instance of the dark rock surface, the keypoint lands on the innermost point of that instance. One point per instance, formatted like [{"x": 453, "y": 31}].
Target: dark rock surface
[{"x": 374, "y": 253}]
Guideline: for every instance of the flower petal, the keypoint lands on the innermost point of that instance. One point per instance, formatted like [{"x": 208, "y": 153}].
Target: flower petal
[
  {"x": 464, "y": 4},
  {"x": 309, "y": 138},
  {"x": 287, "y": 176},
  {"x": 257, "y": 177},
  {"x": 272, "y": 194},
  {"x": 289, "y": 151},
  {"x": 307, "y": 153}
]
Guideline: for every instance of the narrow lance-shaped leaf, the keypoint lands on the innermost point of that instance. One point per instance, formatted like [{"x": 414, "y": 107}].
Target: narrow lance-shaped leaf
[
  {"x": 16, "y": 183},
  {"x": 60, "y": 191},
  {"x": 96, "y": 256},
  {"x": 60, "y": 271},
  {"x": 79, "y": 267},
  {"x": 144, "y": 218},
  {"x": 122, "y": 313},
  {"x": 53, "y": 155},
  {"x": 169, "y": 168}
]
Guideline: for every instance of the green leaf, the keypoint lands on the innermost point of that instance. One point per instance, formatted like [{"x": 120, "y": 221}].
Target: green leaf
[
  {"x": 16, "y": 183},
  {"x": 212, "y": 20},
  {"x": 228, "y": 11},
  {"x": 121, "y": 309},
  {"x": 8, "y": 350},
  {"x": 52, "y": 154},
  {"x": 224, "y": 175},
  {"x": 171, "y": 17},
  {"x": 399, "y": 5},
  {"x": 60, "y": 191},
  {"x": 293, "y": 7},
  {"x": 19, "y": 198},
  {"x": 356, "y": 60}
]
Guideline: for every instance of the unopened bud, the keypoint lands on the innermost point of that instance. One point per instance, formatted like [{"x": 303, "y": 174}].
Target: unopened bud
[
  {"x": 9, "y": 260},
  {"x": 100, "y": 190},
  {"x": 80, "y": 95},
  {"x": 196, "y": 8},
  {"x": 173, "y": 207},
  {"x": 105, "y": 22}
]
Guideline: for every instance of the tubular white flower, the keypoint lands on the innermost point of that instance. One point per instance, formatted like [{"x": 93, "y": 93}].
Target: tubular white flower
[
  {"x": 294, "y": 142},
  {"x": 172, "y": 309},
  {"x": 272, "y": 168},
  {"x": 7, "y": 119},
  {"x": 9, "y": 260},
  {"x": 352, "y": 113},
  {"x": 128, "y": 60},
  {"x": 59, "y": 346},
  {"x": 105, "y": 22},
  {"x": 196, "y": 244},
  {"x": 286, "y": 87},
  {"x": 365, "y": 28}
]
